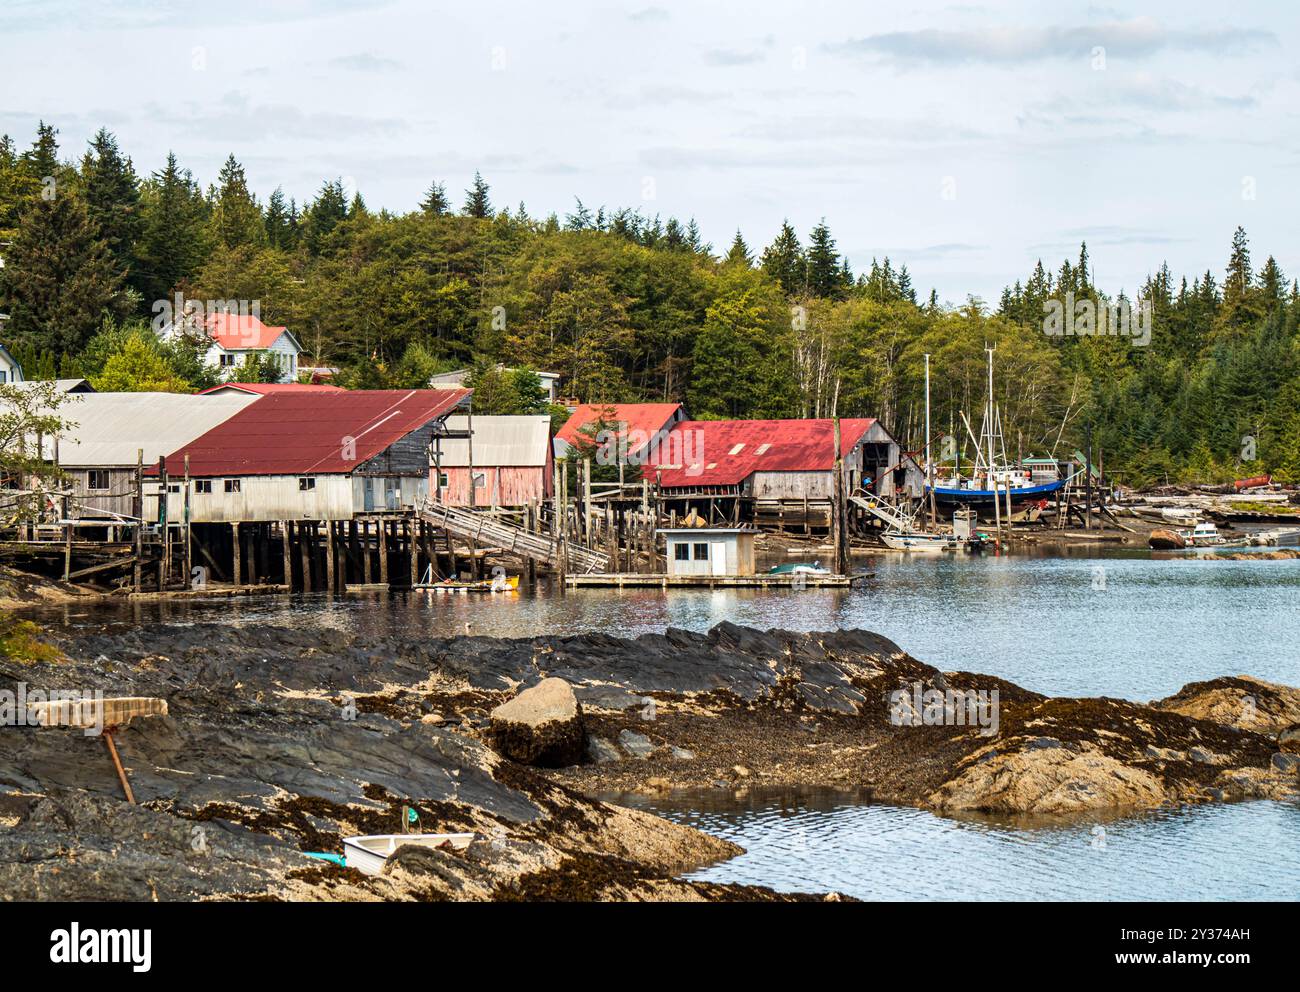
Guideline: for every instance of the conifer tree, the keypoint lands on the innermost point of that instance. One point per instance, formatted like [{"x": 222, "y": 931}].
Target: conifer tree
[
  {"x": 112, "y": 194},
  {"x": 59, "y": 276},
  {"x": 477, "y": 203},
  {"x": 823, "y": 263},
  {"x": 738, "y": 253},
  {"x": 783, "y": 260},
  {"x": 236, "y": 217},
  {"x": 435, "y": 200},
  {"x": 279, "y": 222},
  {"x": 174, "y": 238}
]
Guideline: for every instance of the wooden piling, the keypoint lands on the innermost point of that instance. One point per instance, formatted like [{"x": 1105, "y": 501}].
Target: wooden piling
[
  {"x": 329, "y": 556},
  {"x": 237, "y": 570},
  {"x": 284, "y": 550}
]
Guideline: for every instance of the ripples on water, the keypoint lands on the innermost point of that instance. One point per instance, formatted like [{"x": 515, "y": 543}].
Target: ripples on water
[
  {"x": 820, "y": 841},
  {"x": 1121, "y": 625},
  {"x": 1133, "y": 627}
]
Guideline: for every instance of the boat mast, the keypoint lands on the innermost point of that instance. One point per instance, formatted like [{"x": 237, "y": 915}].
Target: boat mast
[
  {"x": 929, "y": 478},
  {"x": 988, "y": 414}
]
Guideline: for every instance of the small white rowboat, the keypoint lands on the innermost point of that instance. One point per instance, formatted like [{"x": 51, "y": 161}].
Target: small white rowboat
[{"x": 369, "y": 853}]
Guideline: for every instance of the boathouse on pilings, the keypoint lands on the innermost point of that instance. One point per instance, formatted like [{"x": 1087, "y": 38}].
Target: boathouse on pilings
[
  {"x": 112, "y": 434},
  {"x": 777, "y": 474},
  {"x": 312, "y": 489}
]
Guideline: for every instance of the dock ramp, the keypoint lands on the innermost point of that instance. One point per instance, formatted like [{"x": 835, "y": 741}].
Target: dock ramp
[
  {"x": 893, "y": 517},
  {"x": 517, "y": 541}
]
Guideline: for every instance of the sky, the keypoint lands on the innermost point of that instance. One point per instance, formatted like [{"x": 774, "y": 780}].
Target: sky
[{"x": 964, "y": 140}]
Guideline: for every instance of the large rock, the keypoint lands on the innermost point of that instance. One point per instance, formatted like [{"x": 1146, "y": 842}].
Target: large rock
[
  {"x": 1047, "y": 780},
  {"x": 541, "y": 726},
  {"x": 1244, "y": 702}
]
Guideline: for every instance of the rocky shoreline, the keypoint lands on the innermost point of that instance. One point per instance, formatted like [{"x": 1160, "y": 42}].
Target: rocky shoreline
[{"x": 280, "y": 741}]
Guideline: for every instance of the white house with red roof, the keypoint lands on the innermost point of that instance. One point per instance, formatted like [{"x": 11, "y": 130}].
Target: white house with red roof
[{"x": 234, "y": 336}]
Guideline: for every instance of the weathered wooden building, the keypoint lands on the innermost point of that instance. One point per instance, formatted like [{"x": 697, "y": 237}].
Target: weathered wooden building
[
  {"x": 314, "y": 455},
  {"x": 99, "y": 451},
  {"x": 508, "y": 458},
  {"x": 778, "y": 471}
]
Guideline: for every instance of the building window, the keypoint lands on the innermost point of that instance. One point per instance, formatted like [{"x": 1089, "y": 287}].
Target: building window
[
  {"x": 681, "y": 552},
  {"x": 174, "y": 487},
  {"x": 306, "y": 483},
  {"x": 444, "y": 480},
  {"x": 4, "y": 376},
  {"x": 701, "y": 552},
  {"x": 232, "y": 485},
  {"x": 480, "y": 480},
  {"x": 203, "y": 486},
  {"x": 97, "y": 480},
  {"x": 227, "y": 360}
]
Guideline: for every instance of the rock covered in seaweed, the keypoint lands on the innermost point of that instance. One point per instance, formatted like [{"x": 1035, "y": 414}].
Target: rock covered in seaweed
[{"x": 541, "y": 726}]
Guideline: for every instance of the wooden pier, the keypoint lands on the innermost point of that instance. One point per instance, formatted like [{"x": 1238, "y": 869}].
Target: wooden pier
[{"x": 651, "y": 580}]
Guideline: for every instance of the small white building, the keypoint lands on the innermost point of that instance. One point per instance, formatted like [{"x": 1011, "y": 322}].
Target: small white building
[
  {"x": 10, "y": 370},
  {"x": 456, "y": 380},
  {"x": 234, "y": 336},
  {"x": 714, "y": 551}
]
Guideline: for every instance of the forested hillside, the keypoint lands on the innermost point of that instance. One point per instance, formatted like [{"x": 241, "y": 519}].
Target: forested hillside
[{"x": 631, "y": 307}]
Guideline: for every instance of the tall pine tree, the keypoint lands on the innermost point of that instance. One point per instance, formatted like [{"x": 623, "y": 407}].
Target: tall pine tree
[
  {"x": 60, "y": 277},
  {"x": 477, "y": 203}
]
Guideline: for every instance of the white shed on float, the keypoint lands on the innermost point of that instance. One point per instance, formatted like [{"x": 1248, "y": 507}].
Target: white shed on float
[{"x": 709, "y": 550}]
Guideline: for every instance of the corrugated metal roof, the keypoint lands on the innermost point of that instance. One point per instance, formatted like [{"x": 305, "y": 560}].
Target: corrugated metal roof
[
  {"x": 726, "y": 452},
  {"x": 648, "y": 418},
  {"x": 265, "y": 388},
  {"x": 305, "y": 433},
  {"x": 498, "y": 441},
  {"x": 112, "y": 427}
]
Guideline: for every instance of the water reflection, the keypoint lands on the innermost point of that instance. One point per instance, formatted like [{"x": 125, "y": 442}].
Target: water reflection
[
  {"x": 809, "y": 840},
  {"x": 1121, "y": 625}
]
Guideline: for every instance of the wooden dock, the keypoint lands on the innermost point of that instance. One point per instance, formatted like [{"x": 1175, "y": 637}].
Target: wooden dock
[{"x": 645, "y": 580}]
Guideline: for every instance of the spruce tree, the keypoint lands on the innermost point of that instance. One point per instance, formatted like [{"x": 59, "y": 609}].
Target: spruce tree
[
  {"x": 279, "y": 223},
  {"x": 112, "y": 194},
  {"x": 823, "y": 263},
  {"x": 60, "y": 277},
  {"x": 42, "y": 160},
  {"x": 435, "y": 200},
  {"x": 327, "y": 211},
  {"x": 783, "y": 260},
  {"x": 738, "y": 253},
  {"x": 174, "y": 237},
  {"x": 236, "y": 217},
  {"x": 477, "y": 203}
]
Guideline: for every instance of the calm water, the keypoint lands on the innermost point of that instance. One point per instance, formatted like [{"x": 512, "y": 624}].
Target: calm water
[
  {"x": 1134, "y": 627},
  {"x": 816, "y": 841},
  {"x": 1119, "y": 624}
]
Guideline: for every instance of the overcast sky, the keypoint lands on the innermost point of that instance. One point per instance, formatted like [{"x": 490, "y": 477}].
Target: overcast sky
[{"x": 964, "y": 140}]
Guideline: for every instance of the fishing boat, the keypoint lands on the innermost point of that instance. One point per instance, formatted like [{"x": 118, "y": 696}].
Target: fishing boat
[
  {"x": 993, "y": 477},
  {"x": 369, "y": 853},
  {"x": 1203, "y": 535},
  {"x": 915, "y": 540}
]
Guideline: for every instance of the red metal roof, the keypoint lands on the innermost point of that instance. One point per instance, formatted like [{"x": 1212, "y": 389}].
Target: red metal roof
[
  {"x": 726, "y": 452},
  {"x": 236, "y": 330},
  {"x": 646, "y": 418},
  {"x": 307, "y": 432},
  {"x": 266, "y": 388}
]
